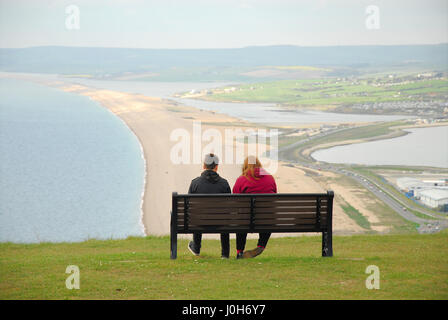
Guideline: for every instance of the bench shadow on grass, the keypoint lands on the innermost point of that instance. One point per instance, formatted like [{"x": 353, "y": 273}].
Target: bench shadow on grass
[
  {"x": 278, "y": 259},
  {"x": 271, "y": 258}
]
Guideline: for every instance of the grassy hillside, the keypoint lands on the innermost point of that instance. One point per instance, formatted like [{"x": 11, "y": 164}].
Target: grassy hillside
[
  {"x": 335, "y": 92},
  {"x": 411, "y": 267}
]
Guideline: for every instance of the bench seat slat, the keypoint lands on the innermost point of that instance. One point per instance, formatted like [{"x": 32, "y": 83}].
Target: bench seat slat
[
  {"x": 287, "y": 220},
  {"x": 286, "y": 215},
  {"x": 232, "y": 229},
  {"x": 272, "y": 210},
  {"x": 296, "y": 222},
  {"x": 225, "y": 204},
  {"x": 226, "y": 200},
  {"x": 288, "y": 204},
  {"x": 214, "y": 229},
  {"x": 286, "y": 198},
  {"x": 282, "y": 209},
  {"x": 276, "y": 228},
  {"x": 217, "y": 222},
  {"x": 283, "y": 221},
  {"x": 257, "y": 206},
  {"x": 220, "y": 216},
  {"x": 258, "y": 216},
  {"x": 194, "y": 211}
]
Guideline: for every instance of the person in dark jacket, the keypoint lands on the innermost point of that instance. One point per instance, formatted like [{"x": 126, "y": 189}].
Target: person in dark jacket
[
  {"x": 209, "y": 182},
  {"x": 254, "y": 179}
]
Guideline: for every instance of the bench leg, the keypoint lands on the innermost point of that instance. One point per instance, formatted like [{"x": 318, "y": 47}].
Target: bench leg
[
  {"x": 173, "y": 233},
  {"x": 173, "y": 245},
  {"x": 327, "y": 244}
]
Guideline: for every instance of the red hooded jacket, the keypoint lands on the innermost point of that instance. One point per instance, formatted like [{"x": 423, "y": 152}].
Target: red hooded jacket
[{"x": 264, "y": 184}]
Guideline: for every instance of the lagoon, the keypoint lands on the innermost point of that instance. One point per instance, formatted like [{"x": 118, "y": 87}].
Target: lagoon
[
  {"x": 420, "y": 147},
  {"x": 252, "y": 112}
]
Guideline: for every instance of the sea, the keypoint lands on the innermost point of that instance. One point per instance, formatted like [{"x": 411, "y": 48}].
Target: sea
[{"x": 70, "y": 170}]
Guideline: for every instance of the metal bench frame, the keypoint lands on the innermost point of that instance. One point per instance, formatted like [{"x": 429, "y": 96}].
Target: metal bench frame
[{"x": 309, "y": 212}]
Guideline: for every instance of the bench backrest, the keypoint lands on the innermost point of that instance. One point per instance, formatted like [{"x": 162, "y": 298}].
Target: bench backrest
[{"x": 288, "y": 212}]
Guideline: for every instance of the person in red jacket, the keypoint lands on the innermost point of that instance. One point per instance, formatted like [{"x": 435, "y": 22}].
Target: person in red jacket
[{"x": 254, "y": 179}]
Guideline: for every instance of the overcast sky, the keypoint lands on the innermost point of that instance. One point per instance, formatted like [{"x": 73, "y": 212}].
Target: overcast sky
[{"x": 221, "y": 23}]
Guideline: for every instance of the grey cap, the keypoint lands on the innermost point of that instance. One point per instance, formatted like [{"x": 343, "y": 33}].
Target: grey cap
[{"x": 211, "y": 158}]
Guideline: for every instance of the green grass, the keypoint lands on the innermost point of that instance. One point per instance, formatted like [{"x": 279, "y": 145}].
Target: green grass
[
  {"x": 362, "y": 132},
  {"x": 411, "y": 267},
  {"x": 356, "y": 216},
  {"x": 334, "y": 92},
  {"x": 284, "y": 141}
]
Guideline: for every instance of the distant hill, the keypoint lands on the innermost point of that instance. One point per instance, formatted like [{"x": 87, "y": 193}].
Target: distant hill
[{"x": 212, "y": 62}]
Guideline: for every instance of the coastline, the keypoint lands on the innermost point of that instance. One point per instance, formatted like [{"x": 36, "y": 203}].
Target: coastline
[
  {"x": 145, "y": 173},
  {"x": 152, "y": 120}
]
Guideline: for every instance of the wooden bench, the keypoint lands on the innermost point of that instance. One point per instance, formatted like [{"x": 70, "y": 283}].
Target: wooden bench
[{"x": 232, "y": 213}]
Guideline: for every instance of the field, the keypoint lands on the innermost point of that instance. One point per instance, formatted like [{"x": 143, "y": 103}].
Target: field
[
  {"x": 330, "y": 93},
  {"x": 411, "y": 267}
]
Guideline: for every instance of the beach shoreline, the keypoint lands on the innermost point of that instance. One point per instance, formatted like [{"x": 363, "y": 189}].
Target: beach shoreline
[
  {"x": 146, "y": 129},
  {"x": 142, "y": 196},
  {"x": 152, "y": 120}
]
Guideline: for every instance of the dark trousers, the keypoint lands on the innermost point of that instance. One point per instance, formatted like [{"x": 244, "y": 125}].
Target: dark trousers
[
  {"x": 225, "y": 243},
  {"x": 263, "y": 239}
]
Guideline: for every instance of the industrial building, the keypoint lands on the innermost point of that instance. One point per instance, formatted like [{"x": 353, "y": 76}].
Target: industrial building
[
  {"x": 408, "y": 184},
  {"x": 434, "y": 198},
  {"x": 431, "y": 193}
]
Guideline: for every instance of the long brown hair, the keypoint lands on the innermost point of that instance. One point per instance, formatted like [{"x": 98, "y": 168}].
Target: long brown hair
[{"x": 250, "y": 163}]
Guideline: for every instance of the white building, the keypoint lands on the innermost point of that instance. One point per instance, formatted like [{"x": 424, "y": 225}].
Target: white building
[
  {"x": 434, "y": 198},
  {"x": 408, "y": 184}
]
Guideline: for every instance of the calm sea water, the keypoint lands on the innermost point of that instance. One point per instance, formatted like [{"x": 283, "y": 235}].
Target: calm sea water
[
  {"x": 69, "y": 169},
  {"x": 421, "y": 147}
]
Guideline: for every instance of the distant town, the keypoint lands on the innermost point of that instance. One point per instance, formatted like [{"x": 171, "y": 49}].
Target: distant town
[{"x": 421, "y": 94}]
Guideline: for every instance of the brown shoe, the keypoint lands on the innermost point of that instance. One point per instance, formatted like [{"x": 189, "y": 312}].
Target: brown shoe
[{"x": 253, "y": 253}]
